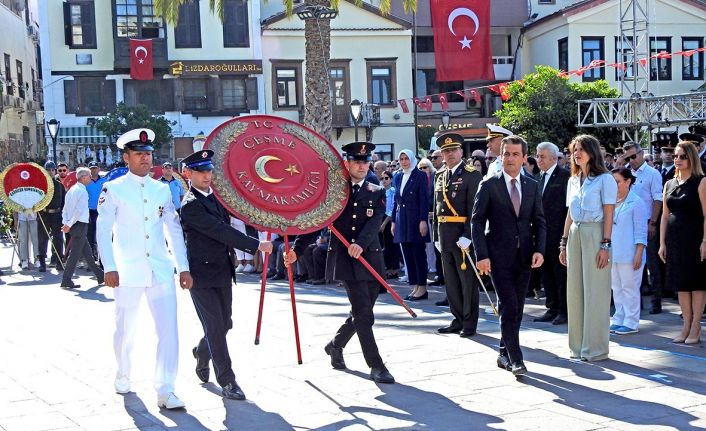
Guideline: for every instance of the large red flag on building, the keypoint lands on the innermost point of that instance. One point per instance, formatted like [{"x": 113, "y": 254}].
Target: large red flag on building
[
  {"x": 141, "y": 59},
  {"x": 462, "y": 39}
]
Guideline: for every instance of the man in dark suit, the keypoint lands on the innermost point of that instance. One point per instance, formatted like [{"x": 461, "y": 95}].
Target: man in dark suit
[
  {"x": 553, "y": 182},
  {"x": 454, "y": 189},
  {"x": 511, "y": 206},
  {"x": 359, "y": 222},
  {"x": 667, "y": 171},
  {"x": 50, "y": 224},
  {"x": 210, "y": 241}
]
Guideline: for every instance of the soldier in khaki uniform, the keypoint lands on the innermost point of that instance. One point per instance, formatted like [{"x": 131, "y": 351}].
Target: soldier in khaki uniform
[{"x": 454, "y": 191}]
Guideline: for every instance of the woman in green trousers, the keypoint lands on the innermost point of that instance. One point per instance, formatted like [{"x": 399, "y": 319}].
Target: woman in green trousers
[{"x": 585, "y": 249}]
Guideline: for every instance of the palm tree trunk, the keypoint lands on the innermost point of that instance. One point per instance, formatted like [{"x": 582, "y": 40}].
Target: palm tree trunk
[{"x": 317, "y": 105}]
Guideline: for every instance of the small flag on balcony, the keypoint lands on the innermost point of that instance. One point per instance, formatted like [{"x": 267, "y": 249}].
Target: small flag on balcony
[
  {"x": 141, "y": 59},
  {"x": 403, "y": 105},
  {"x": 425, "y": 104},
  {"x": 444, "y": 101}
]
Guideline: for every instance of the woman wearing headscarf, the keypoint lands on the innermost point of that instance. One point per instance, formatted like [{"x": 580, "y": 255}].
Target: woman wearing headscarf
[{"x": 410, "y": 226}]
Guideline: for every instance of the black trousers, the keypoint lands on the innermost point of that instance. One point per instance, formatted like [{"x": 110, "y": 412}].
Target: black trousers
[
  {"x": 415, "y": 259},
  {"x": 53, "y": 224},
  {"x": 461, "y": 290},
  {"x": 92, "y": 218},
  {"x": 214, "y": 307},
  {"x": 656, "y": 269},
  {"x": 391, "y": 252},
  {"x": 79, "y": 247},
  {"x": 362, "y": 296},
  {"x": 439, "y": 267},
  {"x": 511, "y": 287},
  {"x": 314, "y": 261},
  {"x": 554, "y": 282}
]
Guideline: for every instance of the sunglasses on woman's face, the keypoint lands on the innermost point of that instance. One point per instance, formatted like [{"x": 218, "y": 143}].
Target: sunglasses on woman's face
[
  {"x": 424, "y": 167},
  {"x": 386, "y": 178},
  {"x": 433, "y": 157},
  {"x": 681, "y": 157}
]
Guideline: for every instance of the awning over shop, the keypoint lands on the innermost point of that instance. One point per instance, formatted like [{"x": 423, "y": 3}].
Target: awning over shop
[{"x": 81, "y": 135}]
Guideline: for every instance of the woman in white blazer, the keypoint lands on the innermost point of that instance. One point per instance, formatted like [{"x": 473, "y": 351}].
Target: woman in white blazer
[{"x": 629, "y": 238}]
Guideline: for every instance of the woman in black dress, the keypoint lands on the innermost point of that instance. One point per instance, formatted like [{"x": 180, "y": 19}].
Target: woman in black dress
[{"x": 683, "y": 240}]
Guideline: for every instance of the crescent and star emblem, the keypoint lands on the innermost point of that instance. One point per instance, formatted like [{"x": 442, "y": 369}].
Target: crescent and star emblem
[
  {"x": 262, "y": 173},
  {"x": 140, "y": 59},
  {"x": 463, "y": 11}
]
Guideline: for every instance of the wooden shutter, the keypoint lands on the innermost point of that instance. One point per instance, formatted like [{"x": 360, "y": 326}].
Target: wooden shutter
[
  {"x": 213, "y": 92},
  {"x": 166, "y": 94},
  {"x": 178, "y": 94},
  {"x": 108, "y": 95},
  {"x": 251, "y": 101},
  {"x": 67, "y": 24},
  {"x": 70, "y": 97}
]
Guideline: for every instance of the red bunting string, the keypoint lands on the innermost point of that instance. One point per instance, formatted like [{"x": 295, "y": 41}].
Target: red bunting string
[{"x": 502, "y": 88}]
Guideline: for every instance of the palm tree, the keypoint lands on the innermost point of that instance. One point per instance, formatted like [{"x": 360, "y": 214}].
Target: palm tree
[{"x": 317, "y": 33}]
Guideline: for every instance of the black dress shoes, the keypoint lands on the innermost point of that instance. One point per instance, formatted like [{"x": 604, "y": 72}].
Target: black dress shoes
[
  {"x": 518, "y": 368},
  {"x": 70, "y": 285},
  {"x": 233, "y": 392},
  {"x": 381, "y": 375},
  {"x": 504, "y": 363},
  {"x": 42, "y": 266},
  {"x": 203, "y": 370},
  {"x": 548, "y": 316},
  {"x": 656, "y": 309},
  {"x": 418, "y": 298},
  {"x": 336, "y": 354},
  {"x": 559, "y": 320},
  {"x": 466, "y": 333},
  {"x": 449, "y": 330},
  {"x": 443, "y": 303}
]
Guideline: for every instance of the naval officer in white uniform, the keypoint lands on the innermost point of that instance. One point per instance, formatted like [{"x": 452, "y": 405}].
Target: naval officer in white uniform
[
  {"x": 134, "y": 213},
  {"x": 494, "y": 139}
]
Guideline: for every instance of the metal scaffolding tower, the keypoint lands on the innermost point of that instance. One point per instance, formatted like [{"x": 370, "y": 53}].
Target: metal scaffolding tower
[
  {"x": 634, "y": 44},
  {"x": 637, "y": 112}
]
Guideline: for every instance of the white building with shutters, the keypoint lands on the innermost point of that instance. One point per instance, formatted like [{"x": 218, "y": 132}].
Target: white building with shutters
[
  {"x": 20, "y": 84},
  {"x": 205, "y": 71}
]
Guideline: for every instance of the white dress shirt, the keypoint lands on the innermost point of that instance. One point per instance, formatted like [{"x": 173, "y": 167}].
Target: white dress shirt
[
  {"x": 134, "y": 214},
  {"x": 585, "y": 201},
  {"x": 508, "y": 184},
  {"x": 648, "y": 184},
  {"x": 549, "y": 173},
  {"x": 75, "y": 205}
]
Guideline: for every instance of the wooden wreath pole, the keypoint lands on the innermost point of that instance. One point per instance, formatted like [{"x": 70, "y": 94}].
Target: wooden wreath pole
[
  {"x": 290, "y": 275},
  {"x": 374, "y": 273},
  {"x": 262, "y": 292}
]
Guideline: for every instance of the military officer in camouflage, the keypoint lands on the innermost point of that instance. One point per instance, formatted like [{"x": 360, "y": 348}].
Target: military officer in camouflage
[{"x": 455, "y": 190}]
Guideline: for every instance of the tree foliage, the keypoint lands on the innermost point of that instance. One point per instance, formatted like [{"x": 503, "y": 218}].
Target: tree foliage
[
  {"x": 124, "y": 118},
  {"x": 542, "y": 107}
]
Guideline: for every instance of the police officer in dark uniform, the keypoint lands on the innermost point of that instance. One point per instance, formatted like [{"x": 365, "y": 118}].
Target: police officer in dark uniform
[
  {"x": 50, "y": 224},
  {"x": 210, "y": 241},
  {"x": 359, "y": 222},
  {"x": 454, "y": 191}
]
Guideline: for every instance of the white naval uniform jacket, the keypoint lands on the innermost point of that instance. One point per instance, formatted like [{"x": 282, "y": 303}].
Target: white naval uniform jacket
[{"x": 134, "y": 213}]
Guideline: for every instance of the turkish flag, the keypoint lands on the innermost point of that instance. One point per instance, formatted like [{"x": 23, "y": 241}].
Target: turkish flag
[
  {"x": 462, "y": 40},
  {"x": 141, "y": 59}
]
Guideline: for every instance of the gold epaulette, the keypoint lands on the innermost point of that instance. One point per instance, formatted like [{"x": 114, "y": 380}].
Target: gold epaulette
[{"x": 469, "y": 167}]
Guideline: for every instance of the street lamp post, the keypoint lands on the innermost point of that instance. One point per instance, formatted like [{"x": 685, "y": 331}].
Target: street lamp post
[
  {"x": 53, "y": 127},
  {"x": 445, "y": 120},
  {"x": 356, "y": 108}
]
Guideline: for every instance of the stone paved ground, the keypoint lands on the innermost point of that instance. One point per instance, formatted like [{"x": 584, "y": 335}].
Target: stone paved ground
[{"x": 57, "y": 369}]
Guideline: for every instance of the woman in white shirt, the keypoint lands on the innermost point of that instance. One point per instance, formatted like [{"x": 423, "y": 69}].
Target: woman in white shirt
[
  {"x": 585, "y": 249},
  {"x": 629, "y": 240}
]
